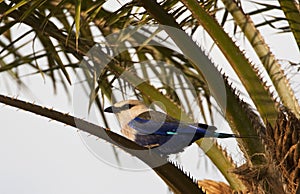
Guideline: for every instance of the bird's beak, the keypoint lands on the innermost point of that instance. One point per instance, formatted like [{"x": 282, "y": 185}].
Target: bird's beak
[{"x": 109, "y": 109}]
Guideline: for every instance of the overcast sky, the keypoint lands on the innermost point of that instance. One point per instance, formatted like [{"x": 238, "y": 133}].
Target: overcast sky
[{"x": 42, "y": 156}]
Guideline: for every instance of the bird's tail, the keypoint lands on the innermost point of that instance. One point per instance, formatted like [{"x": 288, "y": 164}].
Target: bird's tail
[{"x": 226, "y": 135}]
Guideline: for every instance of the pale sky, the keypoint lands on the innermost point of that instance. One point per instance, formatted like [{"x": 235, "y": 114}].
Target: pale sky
[{"x": 42, "y": 156}]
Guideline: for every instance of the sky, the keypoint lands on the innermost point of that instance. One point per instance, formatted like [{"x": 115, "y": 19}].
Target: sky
[{"x": 42, "y": 156}]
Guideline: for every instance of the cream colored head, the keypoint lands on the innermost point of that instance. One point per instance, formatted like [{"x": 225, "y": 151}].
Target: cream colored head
[{"x": 127, "y": 110}]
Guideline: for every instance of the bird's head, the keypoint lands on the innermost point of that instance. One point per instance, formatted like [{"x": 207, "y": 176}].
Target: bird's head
[{"x": 127, "y": 110}]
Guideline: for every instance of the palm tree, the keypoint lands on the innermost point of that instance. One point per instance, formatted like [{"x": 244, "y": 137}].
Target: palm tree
[{"x": 122, "y": 49}]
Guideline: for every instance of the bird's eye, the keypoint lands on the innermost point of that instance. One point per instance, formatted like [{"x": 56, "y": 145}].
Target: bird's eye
[
  {"x": 126, "y": 106},
  {"x": 130, "y": 106}
]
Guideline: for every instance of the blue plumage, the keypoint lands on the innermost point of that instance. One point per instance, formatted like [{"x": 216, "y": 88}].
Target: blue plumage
[
  {"x": 158, "y": 130},
  {"x": 183, "y": 134},
  {"x": 165, "y": 128}
]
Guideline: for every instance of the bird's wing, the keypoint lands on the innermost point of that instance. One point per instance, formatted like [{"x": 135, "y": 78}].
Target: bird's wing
[{"x": 158, "y": 123}]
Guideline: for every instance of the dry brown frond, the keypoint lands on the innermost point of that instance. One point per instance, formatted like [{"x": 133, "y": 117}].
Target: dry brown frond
[
  {"x": 214, "y": 187},
  {"x": 284, "y": 146}
]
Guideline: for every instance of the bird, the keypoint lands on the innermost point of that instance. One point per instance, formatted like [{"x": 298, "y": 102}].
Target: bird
[{"x": 157, "y": 130}]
